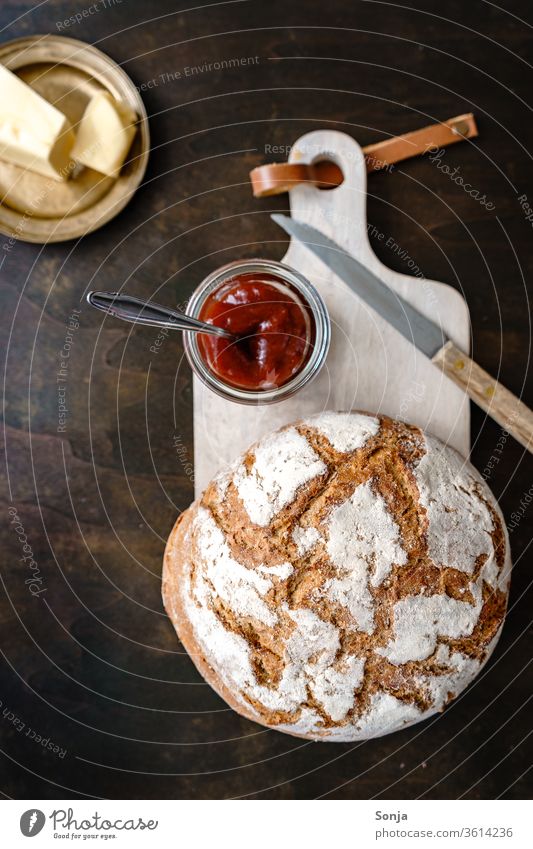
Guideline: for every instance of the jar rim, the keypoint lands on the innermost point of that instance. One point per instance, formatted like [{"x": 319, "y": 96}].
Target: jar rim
[{"x": 313, "y": 301}]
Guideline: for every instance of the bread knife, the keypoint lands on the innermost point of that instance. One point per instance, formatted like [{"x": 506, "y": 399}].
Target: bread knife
[{"x": 504, "y": 407}]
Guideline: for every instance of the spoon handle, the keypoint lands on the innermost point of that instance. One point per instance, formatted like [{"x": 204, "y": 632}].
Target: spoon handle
[{"x": 146, "y": 313}]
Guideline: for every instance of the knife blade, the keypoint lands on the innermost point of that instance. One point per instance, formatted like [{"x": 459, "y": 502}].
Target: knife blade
[
  {"x": 418, "y": 329},
  {"x": 511, "y": 413}
]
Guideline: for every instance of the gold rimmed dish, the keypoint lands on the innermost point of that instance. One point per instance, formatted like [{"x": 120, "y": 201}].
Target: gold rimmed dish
[{"x": 68, "y": 73}]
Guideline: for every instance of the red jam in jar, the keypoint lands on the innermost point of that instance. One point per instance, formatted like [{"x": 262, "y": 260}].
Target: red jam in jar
[{"x": 273, "y": 325}]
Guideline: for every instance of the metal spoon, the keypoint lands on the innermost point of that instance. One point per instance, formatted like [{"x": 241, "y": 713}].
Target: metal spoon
[{"x": 137, "y": 311}]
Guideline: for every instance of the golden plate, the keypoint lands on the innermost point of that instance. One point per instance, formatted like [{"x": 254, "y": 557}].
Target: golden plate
[{"x": 68, "y": 72}]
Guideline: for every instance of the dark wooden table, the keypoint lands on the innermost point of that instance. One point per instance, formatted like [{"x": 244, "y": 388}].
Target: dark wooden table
[{"x": 97, "y": 697}]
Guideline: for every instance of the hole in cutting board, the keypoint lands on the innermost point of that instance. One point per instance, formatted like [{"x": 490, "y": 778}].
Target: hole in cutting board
[{"x": 328, "y": 173}]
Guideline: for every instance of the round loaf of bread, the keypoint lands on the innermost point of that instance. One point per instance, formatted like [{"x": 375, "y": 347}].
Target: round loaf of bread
[{"x": 347, "y": 577}]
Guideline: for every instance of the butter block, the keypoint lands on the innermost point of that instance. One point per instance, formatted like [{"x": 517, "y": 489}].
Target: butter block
[
  {"x": 33, "y": 133},
  {"x": 104, "y": 134}
]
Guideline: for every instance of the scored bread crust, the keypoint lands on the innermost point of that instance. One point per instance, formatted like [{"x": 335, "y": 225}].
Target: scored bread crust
[
  {"x": 300, "y": 640},
  {"x": 174, "y": 566}
]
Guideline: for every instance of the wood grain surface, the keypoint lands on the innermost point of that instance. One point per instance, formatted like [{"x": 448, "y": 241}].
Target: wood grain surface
[{"x": 89, "y": 660}]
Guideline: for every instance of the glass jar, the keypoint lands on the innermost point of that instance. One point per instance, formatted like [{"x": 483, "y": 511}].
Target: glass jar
[{"x": 318, "y": 341}]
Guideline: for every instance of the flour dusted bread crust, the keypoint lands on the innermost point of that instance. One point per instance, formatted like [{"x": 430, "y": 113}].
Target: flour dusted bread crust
[{"x": 346, "y": 578}]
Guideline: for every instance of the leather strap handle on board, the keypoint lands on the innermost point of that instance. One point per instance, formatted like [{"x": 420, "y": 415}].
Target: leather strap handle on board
[{"x": 279, "y": 177}]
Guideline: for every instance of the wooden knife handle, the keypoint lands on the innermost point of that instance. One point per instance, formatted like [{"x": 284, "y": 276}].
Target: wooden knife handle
[{"x": 491, "y": 396}]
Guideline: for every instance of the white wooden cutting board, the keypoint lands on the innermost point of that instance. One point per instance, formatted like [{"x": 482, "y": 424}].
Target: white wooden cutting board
[{"x": 369, "y": 366}]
